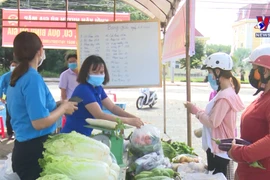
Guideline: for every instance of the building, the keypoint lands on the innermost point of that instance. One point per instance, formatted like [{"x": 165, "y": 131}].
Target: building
[{"x": 244, "y": 27}]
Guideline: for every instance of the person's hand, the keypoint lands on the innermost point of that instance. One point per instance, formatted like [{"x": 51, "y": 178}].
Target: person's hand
[
  {"x": 3, "y": 100},
  {"x": 69, "y": 107},
  {"x": 230, "y": 151},
  {"x": 137, "y": 122},
  {"x": 191, "y": 107}
]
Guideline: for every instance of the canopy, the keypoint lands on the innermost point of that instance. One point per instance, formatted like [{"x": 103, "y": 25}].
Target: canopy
[{"x": 163, "y": 10}]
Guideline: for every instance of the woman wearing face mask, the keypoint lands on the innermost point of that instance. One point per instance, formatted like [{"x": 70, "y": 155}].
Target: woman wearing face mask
[
  {"x": 255, "y": 122},
  {"x": 219, "y": 117},
  {"x": 93, "y": 74},
  {"x": 31, "y": 106},
  {"x": 3, "y": 91}
]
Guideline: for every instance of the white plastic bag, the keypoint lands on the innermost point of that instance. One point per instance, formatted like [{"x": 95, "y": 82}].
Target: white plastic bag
[
  {"x": 145, "y": 140},
  {"x": 6, "y": 173},
  {"x": 192, "y": 167},
  {"x": 203, "y": 176},
  {"x": 151, "y": 161}
]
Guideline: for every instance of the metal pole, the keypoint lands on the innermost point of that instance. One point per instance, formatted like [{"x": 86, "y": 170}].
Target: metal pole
[
  {"x": 18, "y": 8},
  {"x": 66, "y": 13},
  {"x": 114, "y": 10},
  {"x": 188, "y": 70},
  {"x": 164, "y": 89}
]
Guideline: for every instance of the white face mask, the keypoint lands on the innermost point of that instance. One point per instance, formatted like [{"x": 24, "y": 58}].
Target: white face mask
[{"x": 42, "y": 58}]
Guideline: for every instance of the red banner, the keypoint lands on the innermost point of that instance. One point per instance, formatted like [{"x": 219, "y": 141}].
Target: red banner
[
  {"x": 51, "y": 26},
  {"x": 175, "y": 37}
]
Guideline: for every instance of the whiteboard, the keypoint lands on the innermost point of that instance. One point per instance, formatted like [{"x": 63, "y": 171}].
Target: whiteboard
[{"x": 131, "y": 51}]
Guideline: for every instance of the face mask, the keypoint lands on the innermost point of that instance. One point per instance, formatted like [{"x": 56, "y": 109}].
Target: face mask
[
  {"x": 254, "y": 78},
  {"x": 213, "y": 83},
  {"x": 12, "y": 68},
  {"x": 95, "y": 80},
  {"x": 72, "y": 66},
  {"x": 42, "y": 58},
  {"x": 257, "y": 80}
]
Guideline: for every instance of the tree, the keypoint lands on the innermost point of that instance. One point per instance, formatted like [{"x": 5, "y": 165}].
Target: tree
[
  {"x": 238, "y": 56},
  {"x": 196, "y": 59},
  {"x": 213, "y": 48}
]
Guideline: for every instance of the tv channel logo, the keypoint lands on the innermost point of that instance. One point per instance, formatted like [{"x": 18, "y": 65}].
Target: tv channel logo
[{"x": 262, "y": 25}]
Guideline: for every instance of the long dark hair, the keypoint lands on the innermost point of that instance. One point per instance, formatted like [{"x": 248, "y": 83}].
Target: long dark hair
[
  {"x": 88, "y": 62},
  {"x": 26, "y": 45}
]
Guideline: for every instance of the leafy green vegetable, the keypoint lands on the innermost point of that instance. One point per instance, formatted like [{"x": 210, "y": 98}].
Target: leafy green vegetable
[
  {"x": 119, "y": 128},
  {"x": 54, "y": 177},
  {"x": 168, "y": 150},
  {"x": 256, "y": 164},
  {"x": 182, "y": 148},
  {"x": 77, "y": 168}
]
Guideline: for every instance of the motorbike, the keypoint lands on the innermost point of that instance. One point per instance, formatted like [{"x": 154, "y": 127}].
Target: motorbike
[{"x": 146, "y": 98}]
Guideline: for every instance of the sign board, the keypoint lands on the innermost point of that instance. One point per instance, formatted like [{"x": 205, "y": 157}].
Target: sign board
[
  {"x": 131, "y": 51},
  {"x": 51, "y": 25}
]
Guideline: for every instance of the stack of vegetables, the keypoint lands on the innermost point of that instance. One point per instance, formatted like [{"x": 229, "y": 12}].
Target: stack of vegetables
[
  {"x": 172, "y": 149},
  {"x": 146, "y": 156},
  {"x": 75, "y": 156}
]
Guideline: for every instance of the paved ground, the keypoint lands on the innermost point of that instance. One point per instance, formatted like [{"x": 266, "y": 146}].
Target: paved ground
[{"x": 175, "y": 111}]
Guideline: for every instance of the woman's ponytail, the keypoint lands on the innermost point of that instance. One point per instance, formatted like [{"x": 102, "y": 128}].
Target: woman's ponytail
[
  {"x": 18, "y": 72},
  {"x": 236, "y": 84}
]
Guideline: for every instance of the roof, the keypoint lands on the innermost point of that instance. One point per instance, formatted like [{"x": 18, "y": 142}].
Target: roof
[
  {"x": 251, "y": 11},
  {"x": 198, "y": 33},
  {"x": 163, "y": 10}
]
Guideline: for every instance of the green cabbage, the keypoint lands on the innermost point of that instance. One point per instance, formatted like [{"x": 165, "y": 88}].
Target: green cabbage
[
  {"x": 77, "y": 145},
  {"x": 54, "y": 177},
  {"x": 78, "y": 168}
]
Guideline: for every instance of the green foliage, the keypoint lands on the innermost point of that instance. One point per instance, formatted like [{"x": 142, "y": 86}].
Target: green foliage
[
  {"x": 195, "y": 60},
  {"x": 213, "y": 48},
  {"x": 49, "y": 74},
  {"x": 239, "y": 55}
]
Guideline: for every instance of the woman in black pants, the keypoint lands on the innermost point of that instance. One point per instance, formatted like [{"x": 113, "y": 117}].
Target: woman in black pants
[{"x": 31, "y": 106}]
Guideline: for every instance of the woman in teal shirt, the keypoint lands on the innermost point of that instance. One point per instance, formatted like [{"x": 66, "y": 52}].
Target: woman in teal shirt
[{"x": 31, "y": 106}]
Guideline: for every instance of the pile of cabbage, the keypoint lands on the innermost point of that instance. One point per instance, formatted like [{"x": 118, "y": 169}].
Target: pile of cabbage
[{"x": 74, "y": 156}]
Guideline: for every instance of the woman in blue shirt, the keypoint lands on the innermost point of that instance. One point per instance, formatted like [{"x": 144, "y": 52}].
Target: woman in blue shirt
[
  {"x": 92, "y": 75},
  {"x": 31, "y": 106}
]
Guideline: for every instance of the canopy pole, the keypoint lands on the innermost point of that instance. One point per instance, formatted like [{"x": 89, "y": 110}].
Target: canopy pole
[
  {"x": 66, "y": 13},
  {"x": 189, "y": 140},
  {"x": 18, "y": 8},
  {"x": 114, "y": 10},
  {"x": 164, "y": 89}
]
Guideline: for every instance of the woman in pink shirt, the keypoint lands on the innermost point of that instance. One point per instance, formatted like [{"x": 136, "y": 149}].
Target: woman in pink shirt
[
  {"x": 219, "y": 117},
  {"x": 255, "y": 122}
]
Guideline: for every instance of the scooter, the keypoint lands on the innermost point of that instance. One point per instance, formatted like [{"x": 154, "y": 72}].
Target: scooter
[{"x": 146, "y": 98}]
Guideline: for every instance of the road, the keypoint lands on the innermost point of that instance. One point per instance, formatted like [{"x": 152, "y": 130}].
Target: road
[{"x": 175, "y": 111}]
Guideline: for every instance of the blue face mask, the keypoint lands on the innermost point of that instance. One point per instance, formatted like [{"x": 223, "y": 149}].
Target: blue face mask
[
  {"x": 72, "y": 66},
  {"x": 12, "y": 68},
  {"x": 213, "y": 83},
  {"x": 95, "y": 80}
]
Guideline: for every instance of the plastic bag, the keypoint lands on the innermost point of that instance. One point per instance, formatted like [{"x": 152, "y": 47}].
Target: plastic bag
[
  {"x": 6, "y": 173},
  {"x": 151, "y": 161},
  {"x": 186, "y": 158},
  {"x": 192, "y": 168},
  {"x": 203, "y": 176},
  {"x": 145, "y": 140}
]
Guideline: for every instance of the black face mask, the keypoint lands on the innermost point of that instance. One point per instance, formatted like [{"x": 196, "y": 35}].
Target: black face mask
[{"x": 257, "y": 80}]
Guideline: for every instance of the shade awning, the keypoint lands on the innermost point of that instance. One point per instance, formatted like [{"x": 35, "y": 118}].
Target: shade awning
[{"x": 163, "y": 10}]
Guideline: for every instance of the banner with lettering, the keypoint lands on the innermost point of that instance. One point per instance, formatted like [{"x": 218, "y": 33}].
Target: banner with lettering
[{"x": 51, "y": 26}]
